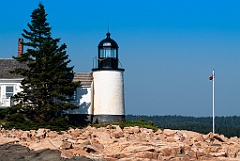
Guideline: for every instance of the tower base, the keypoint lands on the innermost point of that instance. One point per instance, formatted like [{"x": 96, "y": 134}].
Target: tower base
[
  {"x": 79, "y": 119},
  {"x": 108, "y": 118}
]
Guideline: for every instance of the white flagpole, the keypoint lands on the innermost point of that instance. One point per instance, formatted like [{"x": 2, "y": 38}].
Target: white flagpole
[{"x": 213, "y": 103}]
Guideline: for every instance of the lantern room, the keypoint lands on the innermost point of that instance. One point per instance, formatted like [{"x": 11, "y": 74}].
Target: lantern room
[{"x": 107, "y": 54}]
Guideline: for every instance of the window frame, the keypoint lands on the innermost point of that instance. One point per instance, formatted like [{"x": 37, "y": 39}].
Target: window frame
[{"x": 8, "y": 93}]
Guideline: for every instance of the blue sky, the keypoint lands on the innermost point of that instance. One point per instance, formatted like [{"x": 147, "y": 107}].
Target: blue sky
[{"x": 168, "y": 48}]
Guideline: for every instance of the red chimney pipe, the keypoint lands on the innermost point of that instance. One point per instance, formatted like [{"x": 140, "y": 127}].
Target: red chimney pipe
[{"x": 20, "y": 46}]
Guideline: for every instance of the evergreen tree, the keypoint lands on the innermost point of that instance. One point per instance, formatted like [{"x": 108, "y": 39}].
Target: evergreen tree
[{"x": 47, "y": 82}]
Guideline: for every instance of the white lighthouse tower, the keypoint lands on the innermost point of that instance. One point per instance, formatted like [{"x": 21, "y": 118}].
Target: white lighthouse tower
[{"x": 108, "y": 84}]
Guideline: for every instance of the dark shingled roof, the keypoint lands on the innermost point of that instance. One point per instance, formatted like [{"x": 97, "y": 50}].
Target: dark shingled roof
[{"x": 8, "y": 64}]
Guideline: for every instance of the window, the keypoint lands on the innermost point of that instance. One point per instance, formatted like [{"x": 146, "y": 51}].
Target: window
[
  {"x": 9, "y": 91},
  {"x": 74, "y": 96}
]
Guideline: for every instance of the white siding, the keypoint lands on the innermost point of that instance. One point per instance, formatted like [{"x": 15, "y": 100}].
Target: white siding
[
  {"x": 15, "y": 83},
  {"x": 83, "y": 101}
]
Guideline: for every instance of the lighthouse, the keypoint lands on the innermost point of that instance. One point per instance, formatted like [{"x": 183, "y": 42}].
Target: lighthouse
[{"x": 108, "y": 84}]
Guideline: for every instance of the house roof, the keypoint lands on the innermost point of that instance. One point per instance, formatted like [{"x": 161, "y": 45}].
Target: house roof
[
  {"x": 85, "y": 78},
  {"x": 7, "y": 65}
]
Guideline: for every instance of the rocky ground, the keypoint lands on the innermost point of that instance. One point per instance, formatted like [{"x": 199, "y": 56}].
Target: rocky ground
[
  {"x": 112, "y": 143},
  {"x": 16, "y": 152}
]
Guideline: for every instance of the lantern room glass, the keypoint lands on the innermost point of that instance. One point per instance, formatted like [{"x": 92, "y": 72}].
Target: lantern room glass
[{"x": 108, "y": 53}]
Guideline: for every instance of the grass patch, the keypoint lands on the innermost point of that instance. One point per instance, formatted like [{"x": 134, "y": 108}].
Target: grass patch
[
  {"x": 60, "y": 125},
  {"x": 140, "y": 123}
]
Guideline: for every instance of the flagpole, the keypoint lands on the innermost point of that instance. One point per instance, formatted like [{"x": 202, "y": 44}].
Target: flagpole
[{"x": 213, "y": 103}]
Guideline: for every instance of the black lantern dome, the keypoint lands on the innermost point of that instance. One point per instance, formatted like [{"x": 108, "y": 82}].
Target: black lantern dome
[
  {"x": 107, "y": 54},
  {"x": 108, "y": 42}
]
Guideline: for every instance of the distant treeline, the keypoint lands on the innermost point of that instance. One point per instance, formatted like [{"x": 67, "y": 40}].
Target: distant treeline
[{"x": 228, "y": 126}]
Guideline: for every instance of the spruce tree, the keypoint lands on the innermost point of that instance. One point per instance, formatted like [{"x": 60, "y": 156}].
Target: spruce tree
[{"x": 47, "y": 82}]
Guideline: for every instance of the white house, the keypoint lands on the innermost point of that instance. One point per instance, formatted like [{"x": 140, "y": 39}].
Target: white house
[
  {"x": 9, "y": 83},
  {"x": 100, "y": 97}
]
